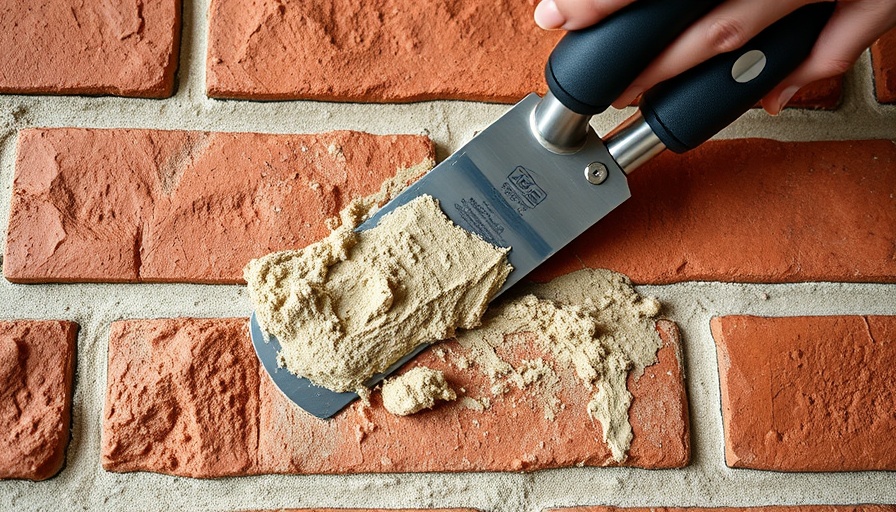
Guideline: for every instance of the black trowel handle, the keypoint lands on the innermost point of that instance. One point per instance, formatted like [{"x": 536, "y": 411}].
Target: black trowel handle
[
  {"x": 687, "y": 110},
  {"x": 590, "y": 68}
]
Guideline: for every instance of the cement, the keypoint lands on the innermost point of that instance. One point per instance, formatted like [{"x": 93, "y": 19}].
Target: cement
[
  {"x": 591, "y": 320},
  {"x": 416, "y": 390},
  {"x": 351, "y": 305}
]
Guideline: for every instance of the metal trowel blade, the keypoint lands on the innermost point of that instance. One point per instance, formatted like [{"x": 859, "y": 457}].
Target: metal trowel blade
[{"x": 506, "y": 187}]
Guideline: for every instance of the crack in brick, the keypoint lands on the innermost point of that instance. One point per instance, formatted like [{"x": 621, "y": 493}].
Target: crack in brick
[
  {"x": 138, "y": 252},
  {"x": 868, "y": 330}
]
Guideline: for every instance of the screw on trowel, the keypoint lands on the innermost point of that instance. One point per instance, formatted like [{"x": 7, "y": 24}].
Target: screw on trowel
[{"x": 596, "y": 173}]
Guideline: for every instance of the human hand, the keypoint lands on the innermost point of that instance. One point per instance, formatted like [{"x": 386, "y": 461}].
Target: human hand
[{"x": 854, "y": 25}]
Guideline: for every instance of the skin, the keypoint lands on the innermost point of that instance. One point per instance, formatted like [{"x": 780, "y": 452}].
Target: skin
[{"x": 854, "y": 26}]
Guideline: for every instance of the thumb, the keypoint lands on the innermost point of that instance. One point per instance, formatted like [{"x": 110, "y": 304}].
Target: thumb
[{"x": 574, "y": 14}]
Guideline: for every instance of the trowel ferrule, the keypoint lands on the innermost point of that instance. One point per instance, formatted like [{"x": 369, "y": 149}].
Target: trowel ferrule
[
  {"x": 633, "y": 143},
  {"x": 557, "y": 128}
]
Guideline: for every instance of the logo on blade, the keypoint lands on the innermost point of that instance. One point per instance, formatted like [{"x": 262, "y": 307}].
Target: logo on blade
[{"x": 522, "y": 189}]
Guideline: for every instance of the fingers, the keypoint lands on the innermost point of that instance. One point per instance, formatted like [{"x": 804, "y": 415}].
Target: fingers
[
  {"x": 574, "y": 14},
  {"x": 852, "y": 28},
  {"x": 724, "y": 29}
]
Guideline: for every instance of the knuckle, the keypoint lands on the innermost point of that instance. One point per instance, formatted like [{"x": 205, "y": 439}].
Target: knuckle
[{"x": 726, "y": 34}]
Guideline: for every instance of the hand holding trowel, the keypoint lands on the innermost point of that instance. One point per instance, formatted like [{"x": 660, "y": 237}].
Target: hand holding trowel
[{"x": 547, "y": 177}]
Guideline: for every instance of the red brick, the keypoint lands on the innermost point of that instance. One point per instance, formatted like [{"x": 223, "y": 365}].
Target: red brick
[
  {"x": 772, "y": 508},
  {"x": 376, "y": 51},
  {"x": 823, "y": 94},
  {"x": 808, "y": 393},
  {"x": 181, "y": 398},
  {"x": 392, "y": 51},
  {"x": 36, "y": 366},
  {"x": 75, "y": 47},
  {"x": 751, "y": 210},
  {"x": 883, "y": 59},
  {"x": 158, "y": 393},
  {"x": 157, "y": 206}
]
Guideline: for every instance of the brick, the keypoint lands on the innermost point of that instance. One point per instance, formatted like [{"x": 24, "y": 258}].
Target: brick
[
  {"x": 181, "y": 398},
  {"x": 771, "y": 508},
  {"x": 161, "y": 206},
  {"x": 391, "y": 52},
  {"x": 825, "y": 94},
  {"x": 75, "y": 47},
  {"x": 376, "y": 51},
  {"x": 751, "y": 210},
  {"x": 166, "y": 413},
  {"x": 36, "y": 367},
  {"x": 808, "y": 393},
  {"x": 883, "y": 59}
]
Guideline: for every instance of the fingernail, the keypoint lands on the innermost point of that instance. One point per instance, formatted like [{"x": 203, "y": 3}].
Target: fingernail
[
  {"x": 547, "y": 16},
  {"x": 785, "y": 96}
]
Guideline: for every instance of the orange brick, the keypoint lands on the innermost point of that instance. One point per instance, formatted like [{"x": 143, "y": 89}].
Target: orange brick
[
  {"x": 883, "y": 58},
  {"x": 181, "y": 398},
  {"x": 161, "y": 206},
  {"x": 75, "y": 47},
  {"x": 751, "y": 210},
  {"x": 36, "y": 366},
  {"x": 808, "y": 393},
  {"x": 823, "y": 94},
  {"x": 184, "y": 394},
  {"x": 392, "y": 51},
  {"x": 389, "y": 50}
]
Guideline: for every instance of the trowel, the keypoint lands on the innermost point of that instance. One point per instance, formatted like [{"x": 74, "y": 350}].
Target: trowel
[{"x": 539, "y": 176}]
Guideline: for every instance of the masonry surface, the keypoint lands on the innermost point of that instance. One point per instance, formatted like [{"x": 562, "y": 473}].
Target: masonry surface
[{"x": 149, "y": 149}]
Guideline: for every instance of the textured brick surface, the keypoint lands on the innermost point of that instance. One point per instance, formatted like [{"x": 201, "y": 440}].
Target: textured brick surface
[
  {"x": 751, "y": 210},
  {"x": 823, "y": 94},
  {"x": 393, "y": 50},
  {"x": 116, "y": 47},
  {"x": 142, "y": 205},
  {"x": 36, "y": 365},
  {"x": 883, "y": 58},
  {"x": 181, "y": 398},
  {"x": 772, "y": 508},
  {"x": 149, "y": 205},
  {"x": 808, "y": 393},
  {"x": 187, "y": 397}
]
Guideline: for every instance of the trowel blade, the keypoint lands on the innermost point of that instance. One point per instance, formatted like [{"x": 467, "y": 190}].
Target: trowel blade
[
  {"x": 507, "y": 188},
  {"x": 319, "y": 401}
]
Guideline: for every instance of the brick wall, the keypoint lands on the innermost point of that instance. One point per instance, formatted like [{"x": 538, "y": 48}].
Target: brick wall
[{"x": 126, "y": 376}]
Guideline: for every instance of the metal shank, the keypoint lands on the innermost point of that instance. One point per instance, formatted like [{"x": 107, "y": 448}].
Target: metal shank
[
  {"x": 633, "y": 143},
  {"x": 558, "y": 128}
]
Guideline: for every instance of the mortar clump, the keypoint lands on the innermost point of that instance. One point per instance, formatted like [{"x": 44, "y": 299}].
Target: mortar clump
[{"x": 351, "y": 305}]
